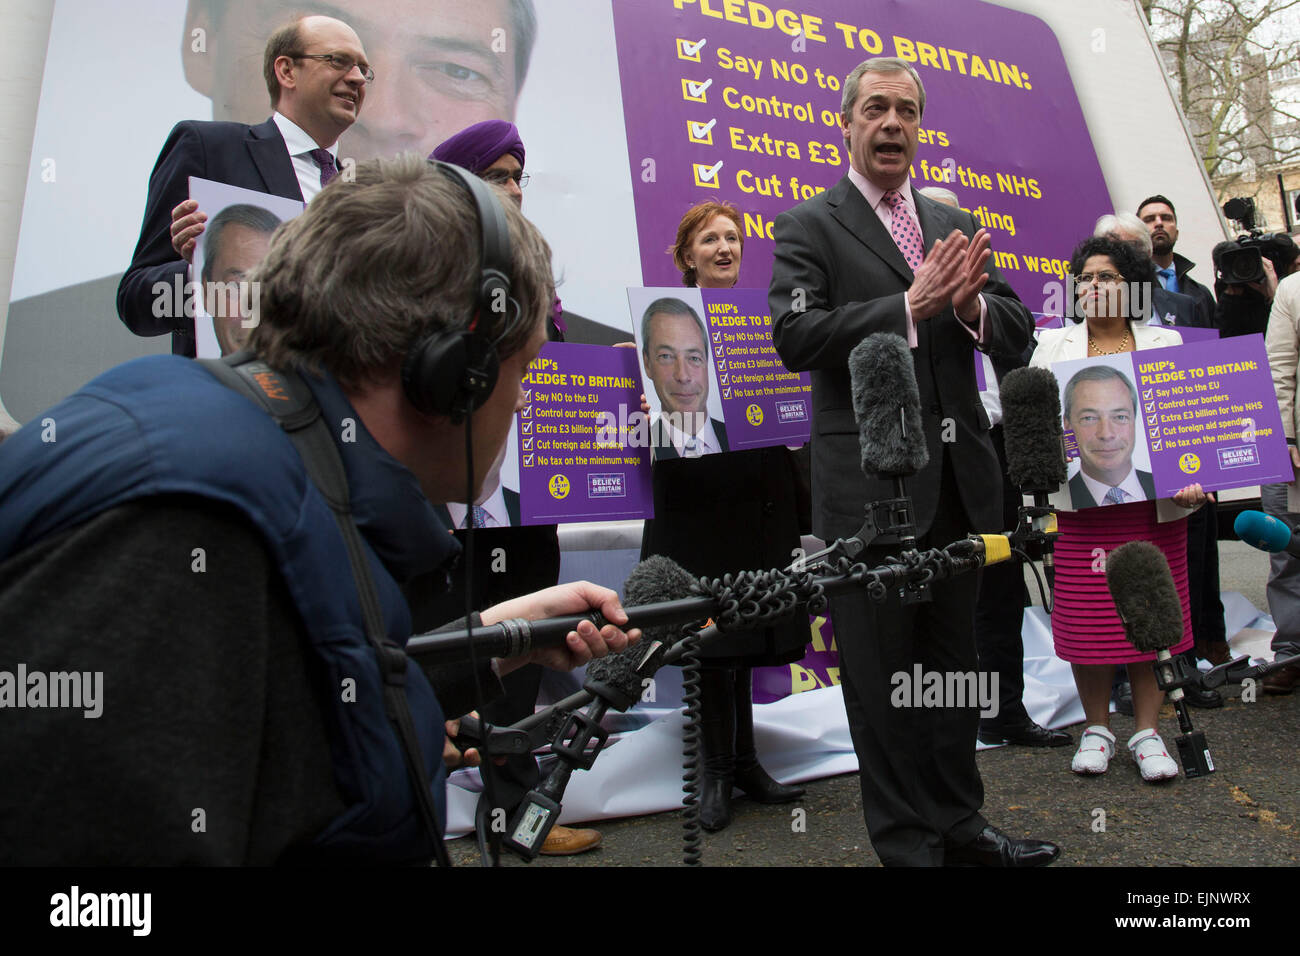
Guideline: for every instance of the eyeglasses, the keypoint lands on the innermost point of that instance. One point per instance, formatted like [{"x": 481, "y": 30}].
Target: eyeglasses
[
  {"x": 340, "y": 61},
  {"x": 499, "y": 177},
  {"x": 1100, "y": 278}
]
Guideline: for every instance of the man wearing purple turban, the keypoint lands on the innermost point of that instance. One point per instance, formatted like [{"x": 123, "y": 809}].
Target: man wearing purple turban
[{"x": 493, "y": 151}]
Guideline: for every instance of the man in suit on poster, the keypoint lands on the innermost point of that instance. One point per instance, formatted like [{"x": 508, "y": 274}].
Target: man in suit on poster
[
  {"x": 675, "y": 352},
  {"x": 848, "y": 263},
  {"x": 1101, "y": 409},
  {"x": 316, "y": 73}
]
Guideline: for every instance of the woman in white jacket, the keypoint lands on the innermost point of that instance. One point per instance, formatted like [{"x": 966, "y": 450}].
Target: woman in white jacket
[{"x": 1086, "y": 629}]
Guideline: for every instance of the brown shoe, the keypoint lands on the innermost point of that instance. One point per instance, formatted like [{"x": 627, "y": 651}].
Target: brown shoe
[
  {"x": 564, "y": 841},
  {"x": 1282, "y": 681}
]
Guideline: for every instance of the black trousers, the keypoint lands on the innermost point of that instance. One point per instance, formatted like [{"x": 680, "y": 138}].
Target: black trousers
[
  {"x": 921, "y": 788},
  {"x": 1000, "y": 610},
  {"x": 1208, "y": 625}
]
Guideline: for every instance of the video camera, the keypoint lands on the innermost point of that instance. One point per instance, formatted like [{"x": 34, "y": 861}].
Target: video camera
[{"x": 1241, "y": 261}]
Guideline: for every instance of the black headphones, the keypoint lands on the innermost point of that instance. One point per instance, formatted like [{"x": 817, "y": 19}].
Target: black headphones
[{"x": 452, "y": 371}]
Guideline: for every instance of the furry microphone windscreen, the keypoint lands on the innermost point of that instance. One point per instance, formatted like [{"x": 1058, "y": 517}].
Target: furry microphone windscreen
[
  {"x": 1145, "y": 596},
  {"x": 884, "y": 381},
  {"x": 655, "y": 579},
  {"x": 1031, "y": 427}
]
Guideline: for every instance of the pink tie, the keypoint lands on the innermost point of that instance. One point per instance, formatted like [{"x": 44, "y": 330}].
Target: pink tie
[{"x": 903, "y": 229}]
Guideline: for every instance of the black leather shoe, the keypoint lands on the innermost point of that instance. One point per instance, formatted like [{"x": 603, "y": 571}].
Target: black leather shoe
[
  {"x": 1025, "y": 734},
  {"x": 759, "y": 785},
  {"x": 994, "y": 848},
  {"x": 1202, "y": 697}
]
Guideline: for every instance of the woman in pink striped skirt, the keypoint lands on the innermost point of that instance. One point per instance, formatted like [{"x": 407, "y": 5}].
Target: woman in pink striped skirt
[{"x": 1114, "y": 498}]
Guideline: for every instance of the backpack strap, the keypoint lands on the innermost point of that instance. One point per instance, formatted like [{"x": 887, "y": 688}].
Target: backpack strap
[{"x": 288, "y": 400}]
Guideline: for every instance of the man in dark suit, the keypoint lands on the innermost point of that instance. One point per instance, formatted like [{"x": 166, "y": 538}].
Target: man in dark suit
[
  {"x": 316, "y": 73},
  {"x": 1081, "y": 497},
  {"x": 675, "y": 353},
  {"x": 851, "y": 262},
  {"x": 1172, "y": 269},
  {"x": 661, "y": 439}
]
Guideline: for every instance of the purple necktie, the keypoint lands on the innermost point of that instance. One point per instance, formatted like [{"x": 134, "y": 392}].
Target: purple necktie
[
  {"x": 903, "y": 229},
  {"x": 325, "y": 160}
]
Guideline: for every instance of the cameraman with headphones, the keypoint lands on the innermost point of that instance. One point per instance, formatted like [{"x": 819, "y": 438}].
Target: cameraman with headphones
[{"x": 201, "y": 591}]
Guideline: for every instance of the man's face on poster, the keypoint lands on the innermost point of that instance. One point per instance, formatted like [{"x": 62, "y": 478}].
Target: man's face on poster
[
  {"x": 677, "y": 359},
  {"x": 1102, "y": 418},
  {"x": 440, "y": 65},
  {"x": 241, "y": 248}
]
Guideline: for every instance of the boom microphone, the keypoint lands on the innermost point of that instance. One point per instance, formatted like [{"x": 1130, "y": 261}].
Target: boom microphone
[
  {"x": 1267, "y": 533},
  {"x": 657, "y": 579},
  {"x": 1031, "y": 432},
  {"x": 1031, "y": 426},
  {"x": 1142, "y": 586},
  {"x": 887, "y": 407},
  {"x": 516, "y": 637}
]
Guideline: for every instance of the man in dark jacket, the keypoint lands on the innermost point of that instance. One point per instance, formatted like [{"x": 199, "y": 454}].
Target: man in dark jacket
[
  {"x": 214, "y": 693},
  {"x": 1172, "y": 269}
]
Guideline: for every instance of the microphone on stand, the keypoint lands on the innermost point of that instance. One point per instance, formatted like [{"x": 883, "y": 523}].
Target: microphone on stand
[
  {"x": 1146, "y": 598},
  {"x": 615, "y": 680},
  {"x": 887, "y": 408},
  {"x": 1032, "y": 433}
]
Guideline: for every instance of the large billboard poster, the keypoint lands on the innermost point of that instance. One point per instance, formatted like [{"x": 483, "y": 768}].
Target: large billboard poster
[
  {"x": 631, "y": 111},
  {"x": 743, "y": 101}
]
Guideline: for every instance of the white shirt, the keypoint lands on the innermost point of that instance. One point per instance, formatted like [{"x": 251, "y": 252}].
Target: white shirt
[
  {"x": 1130, "y": 487},
  {"x": 706, "y": 440},
  {"x": 991, "y": 393},
  {"x": 300, "y": 146},
  {"x": 497, "y": 514}
]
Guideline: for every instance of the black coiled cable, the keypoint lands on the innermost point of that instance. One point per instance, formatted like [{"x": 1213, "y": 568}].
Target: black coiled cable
[{"x": 691, "y": 751}]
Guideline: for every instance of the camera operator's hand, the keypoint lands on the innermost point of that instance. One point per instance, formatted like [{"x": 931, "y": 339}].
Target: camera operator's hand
[
  {"x": 1268, "y": 287},
  {"x": 452, "y": 758},
  {"x": 580, "y": 646}
]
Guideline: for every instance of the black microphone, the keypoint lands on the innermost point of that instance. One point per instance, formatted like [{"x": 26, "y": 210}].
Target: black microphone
[
  {"x": 613, "y": 681},
  {"x": 1031, "y": 426},
  {"x": 1146, "y": 599},
  {"x": 887, "y": 407},
  {"x": 516, "y": 637},
  {"x": 1035, "y": 444},
  {"x": 617, "y": 678}
]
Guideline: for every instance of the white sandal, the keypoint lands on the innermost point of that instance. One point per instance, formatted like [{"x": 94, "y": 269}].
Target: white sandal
[
  {"x": 1152, "y": 756},
  {"x": 1096, "y": 747}
]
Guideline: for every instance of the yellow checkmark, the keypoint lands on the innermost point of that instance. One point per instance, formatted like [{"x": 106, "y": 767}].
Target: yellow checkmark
[
  {"x": 694, "y": 92},
  {"x": 701, "y": 133},
  {"x": 686, "y": 50},
  {"x": 707, "y": 176}
]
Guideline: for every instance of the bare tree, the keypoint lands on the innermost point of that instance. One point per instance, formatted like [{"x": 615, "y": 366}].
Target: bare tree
[{"x": 1234, "y": 67}]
